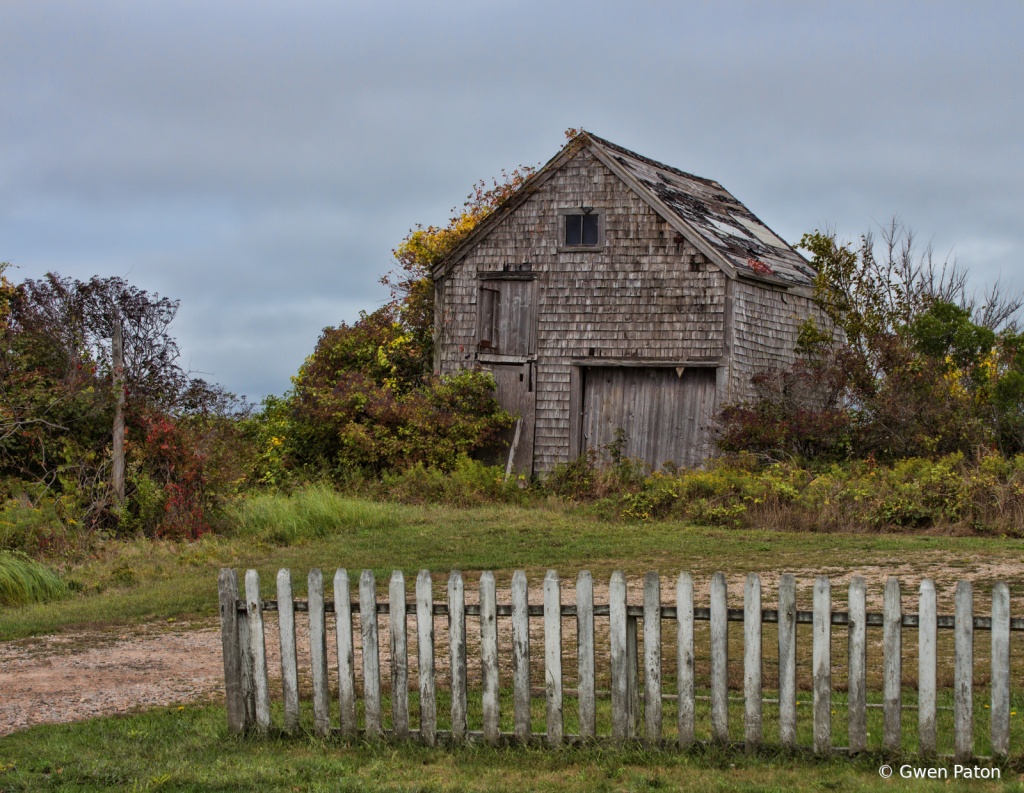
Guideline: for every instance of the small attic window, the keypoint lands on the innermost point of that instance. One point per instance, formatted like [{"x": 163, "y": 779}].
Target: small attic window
[{"x": 581, "y": 229}]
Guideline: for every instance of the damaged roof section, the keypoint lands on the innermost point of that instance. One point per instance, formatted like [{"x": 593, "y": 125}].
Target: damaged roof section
[{"x": 721, "y": 220}]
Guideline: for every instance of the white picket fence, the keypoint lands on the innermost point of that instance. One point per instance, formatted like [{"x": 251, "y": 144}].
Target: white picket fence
[{"x": 248, "y": 699}]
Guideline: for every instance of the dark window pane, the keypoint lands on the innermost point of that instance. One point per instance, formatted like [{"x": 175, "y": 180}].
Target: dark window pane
[
  {"x": 573, "y": 229},
  {"x": 589, "y": 229}
]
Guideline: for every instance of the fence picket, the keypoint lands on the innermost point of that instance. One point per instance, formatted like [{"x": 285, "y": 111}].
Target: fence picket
[
  {"x": 289, "y": 659},
  {"x": 346, "y": 653},
  {"x": 553, "y": 657},
  {"x": 457, "y": 654},
  {"x": 892, "y": 665},
  {"x": 787, "y": 660},
  {"x": 227, "y": 591},
  {"x": 822, "y": 665},
  {"x": 752, "y": 695},
  {"x": 857, "y": 644},
  {"x": 719, "y": 658},
  {"x": 585, "y": 683},
  {"x": 248, "y": 679},
  {"x": 619, "y": 657},
  {"x": 489, "y": 656},
  {"x": 399, "y": 656},
  {"x": 425, "y": 650},
  {"x": 257, "y": 651},
  {"x": 963, "y": 674},
  {"x": 652, "y": 658},
  {"x": 1000, "y": 669},
  {"x": 632, "y": 674},
  {"x": 927, "y": 609},
  {"x": 684, "y": 658},
  {"x": 371, "y": 654},
  {"x": 318, "y": 652},
  {"x": 521, "y": 656}
]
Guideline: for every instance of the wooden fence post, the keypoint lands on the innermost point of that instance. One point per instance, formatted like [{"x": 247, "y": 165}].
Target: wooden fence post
[
  {"x": 1000, "y": 669},
  {"x": 258, "y": 650},
  {"x": 318, "y": 652},
  {"x": 425, "y": 649},
  {"x": 399, "y": 656},
  {"x": 371, "y": 654},
  {"x": 684, "y": 658},
  {"x": 619, "y": 658},
  {"x": 858, "y": 681},
  {"x": 457, "y": 654},
  {"x": 719, "y": 658},
  {"x": 892, "y": 665},
  {"x": 489, "y": 657},
  {"x": 963, "y": 674},
  {"x": 822, "y": 665},
  {"x": 553, "y": 657},
  {"x": 752, "y": 691},
  {"x": 289, "y": 657},
  {"x": 927, "y": 627},
  {"x": 346, "y": 653},
  {"x": 652, "y": 658},
  {"x": 227, "y": 588},
  {"x": 787, "y": 660},
  {"x": 585, "y": 683}
]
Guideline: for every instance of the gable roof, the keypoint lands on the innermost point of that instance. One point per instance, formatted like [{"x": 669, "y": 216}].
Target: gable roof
[{"x": 700, "y": 209}]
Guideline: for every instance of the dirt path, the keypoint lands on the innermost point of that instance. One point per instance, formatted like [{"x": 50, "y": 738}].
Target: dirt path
[{"x": 76, "y": 676}]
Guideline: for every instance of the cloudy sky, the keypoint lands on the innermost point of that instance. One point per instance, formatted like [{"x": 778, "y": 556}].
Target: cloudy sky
[{"x": 260, "y": 160}]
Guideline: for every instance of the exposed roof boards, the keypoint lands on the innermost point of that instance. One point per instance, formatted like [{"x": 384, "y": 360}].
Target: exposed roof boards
[{"x": 717, "y": 216}]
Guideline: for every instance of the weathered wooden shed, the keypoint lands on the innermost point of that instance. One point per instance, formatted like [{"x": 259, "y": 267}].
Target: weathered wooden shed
[{"x": 613, "y": 291}]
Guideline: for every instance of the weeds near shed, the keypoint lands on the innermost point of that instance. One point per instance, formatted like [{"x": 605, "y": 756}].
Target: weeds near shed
[{"x": 316, "y": 512}]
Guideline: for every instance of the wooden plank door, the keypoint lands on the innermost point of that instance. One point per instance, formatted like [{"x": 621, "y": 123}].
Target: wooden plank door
[
  {"x": 664, "y": 413},
  {"x": 517, "y": 395}
]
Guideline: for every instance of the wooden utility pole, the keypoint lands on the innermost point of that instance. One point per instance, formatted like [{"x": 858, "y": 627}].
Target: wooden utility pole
[{"x": 118, "y": 463}]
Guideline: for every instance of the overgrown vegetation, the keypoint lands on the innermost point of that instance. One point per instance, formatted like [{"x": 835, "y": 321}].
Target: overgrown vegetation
[{"x": 906, "y": 362}]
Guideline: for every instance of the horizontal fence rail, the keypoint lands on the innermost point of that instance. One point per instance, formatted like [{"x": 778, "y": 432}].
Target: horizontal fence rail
[
  {"x": 873, "y": 619},
  {"x": 633, "y": 687}
]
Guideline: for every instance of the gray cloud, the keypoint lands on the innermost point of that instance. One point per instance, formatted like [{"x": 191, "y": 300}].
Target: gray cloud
[{"x": 260, "y": 160}]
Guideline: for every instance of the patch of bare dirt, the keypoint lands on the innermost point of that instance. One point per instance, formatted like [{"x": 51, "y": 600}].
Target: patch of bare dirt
[{"x": 76, "y": 676}]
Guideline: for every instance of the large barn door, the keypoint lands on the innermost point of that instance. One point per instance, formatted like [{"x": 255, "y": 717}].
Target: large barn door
[
  {"x": 663, "y": 411},
  {"x": 516, "y": 395}
]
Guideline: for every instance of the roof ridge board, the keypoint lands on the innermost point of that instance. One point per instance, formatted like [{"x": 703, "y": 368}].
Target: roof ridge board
[{"x": 654, "y": 163}]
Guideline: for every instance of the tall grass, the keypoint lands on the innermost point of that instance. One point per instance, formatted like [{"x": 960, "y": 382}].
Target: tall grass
[
  {"x": 316, "y": 512},
  {"x": 23, "y": 581}
]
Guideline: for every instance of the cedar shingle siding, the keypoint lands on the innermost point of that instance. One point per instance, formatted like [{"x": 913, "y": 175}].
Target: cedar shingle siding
[{"x": 651, "y": 295}]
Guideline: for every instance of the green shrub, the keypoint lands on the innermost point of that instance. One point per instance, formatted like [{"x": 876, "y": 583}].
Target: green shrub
[{"x": 23, "y": 581}]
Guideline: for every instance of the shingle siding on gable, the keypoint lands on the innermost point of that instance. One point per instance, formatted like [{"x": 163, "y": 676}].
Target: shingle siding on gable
[{"x": 644, "y": 296}]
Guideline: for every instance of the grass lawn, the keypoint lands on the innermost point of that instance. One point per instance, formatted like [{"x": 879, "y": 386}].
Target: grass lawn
[
  {"x": 189, "y": 749},
  {"x": 142, "y": 582}
]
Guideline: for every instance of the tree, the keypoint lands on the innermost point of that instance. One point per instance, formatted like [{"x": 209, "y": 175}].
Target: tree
[{"x": 58, "y": 394}]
